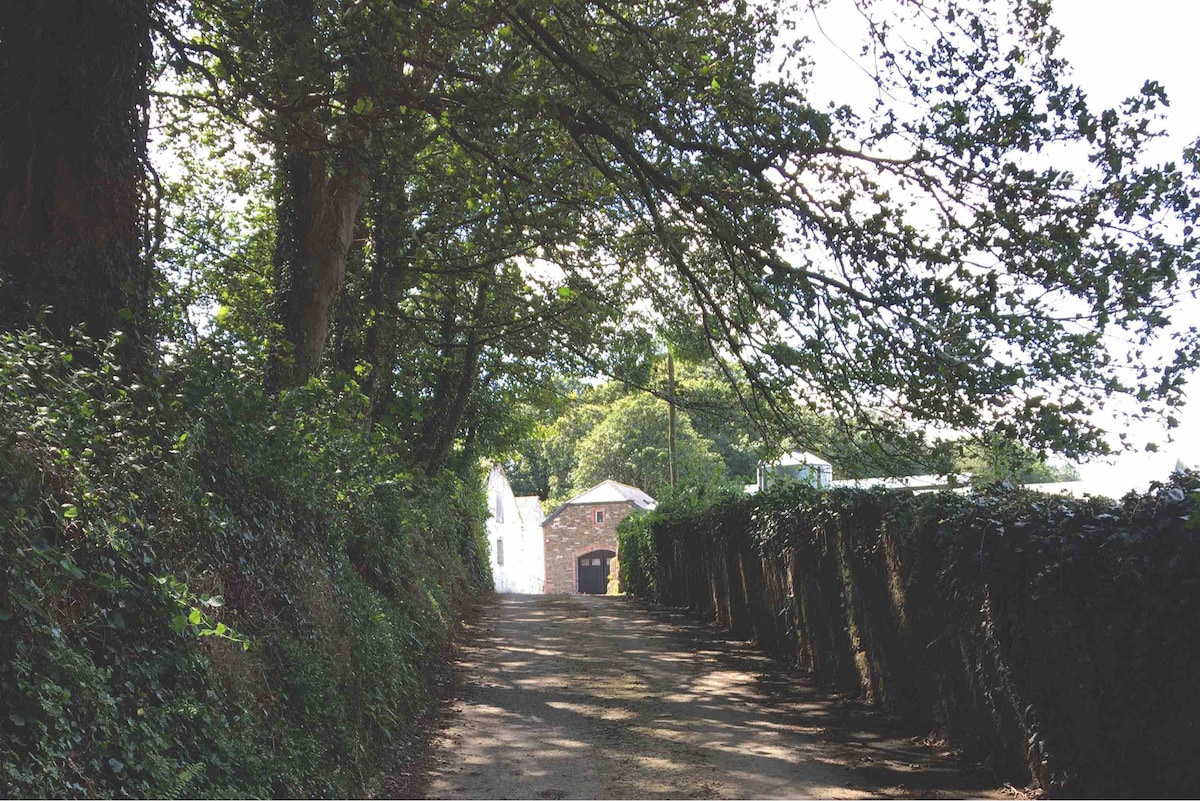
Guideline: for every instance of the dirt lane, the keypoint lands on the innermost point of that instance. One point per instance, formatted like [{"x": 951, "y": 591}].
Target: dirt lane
[{"x": 594, "y": 697}]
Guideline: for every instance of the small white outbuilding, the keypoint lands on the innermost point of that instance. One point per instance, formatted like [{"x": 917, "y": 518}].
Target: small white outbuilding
[{"x": 799, "y": 467}]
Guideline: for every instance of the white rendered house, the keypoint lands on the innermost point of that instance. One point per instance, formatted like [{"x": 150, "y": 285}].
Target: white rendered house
[{"x": 515, "y": 545}]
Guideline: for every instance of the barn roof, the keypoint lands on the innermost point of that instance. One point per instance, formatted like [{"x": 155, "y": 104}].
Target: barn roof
[
  {"x": 608, "y": 491},
  {"x": 798, "y": 458},
  {"x": 613, "y": 492}
]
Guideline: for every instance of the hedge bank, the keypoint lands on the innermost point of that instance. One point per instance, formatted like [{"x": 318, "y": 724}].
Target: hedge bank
[
  {"x": 1057, "y": 639},
  {"x": 207, "y": 591}
]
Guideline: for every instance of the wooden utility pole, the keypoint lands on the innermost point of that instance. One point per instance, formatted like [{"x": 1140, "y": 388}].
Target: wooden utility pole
[{"x": 671, "y": 455}]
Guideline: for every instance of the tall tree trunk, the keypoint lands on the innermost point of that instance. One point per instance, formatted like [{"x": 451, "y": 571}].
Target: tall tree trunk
[
  {"x": 453, "y": 388},
  {"x": 394, "y": 254},
  {"x": 323, "y": 181},
  {"x": 383, "y": 336},
  {"x": 318, "y": 210},
  {"x": 73, "y": 93},
  {"x": 395, "y": 251},
  {"x": 350, "y": 310}
]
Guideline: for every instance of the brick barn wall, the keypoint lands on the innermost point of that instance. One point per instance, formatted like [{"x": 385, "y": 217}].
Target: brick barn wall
[{"x": 573, "y": 533}]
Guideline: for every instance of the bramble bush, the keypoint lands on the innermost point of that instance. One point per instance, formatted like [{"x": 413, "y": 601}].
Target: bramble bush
[
  {"x": 1052, "y": 637},
  {"x": 208, "y": 590}
]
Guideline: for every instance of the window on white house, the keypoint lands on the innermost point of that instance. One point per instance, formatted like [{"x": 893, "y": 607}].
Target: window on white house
[
  {"x": 599, "y": 517},
  {"x": 498, "y": 513},
  {"x": 500, "y": 552}
]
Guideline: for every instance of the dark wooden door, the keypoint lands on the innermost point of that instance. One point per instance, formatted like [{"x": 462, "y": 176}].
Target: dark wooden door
[{"x": 592, "y": 569}]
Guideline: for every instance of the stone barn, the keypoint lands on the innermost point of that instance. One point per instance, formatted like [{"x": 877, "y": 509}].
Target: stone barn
[{"x": 580, "y": 539}]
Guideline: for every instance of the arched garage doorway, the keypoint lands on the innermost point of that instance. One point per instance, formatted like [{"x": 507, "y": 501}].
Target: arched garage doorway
[{"x": 591, "y": 571}]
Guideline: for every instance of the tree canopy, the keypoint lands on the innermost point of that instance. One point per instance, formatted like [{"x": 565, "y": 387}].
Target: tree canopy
[{"x": 453, "y": 206}]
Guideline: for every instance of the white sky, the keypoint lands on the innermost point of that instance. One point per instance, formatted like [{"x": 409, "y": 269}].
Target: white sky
[{"x": 1114, "y": 46}]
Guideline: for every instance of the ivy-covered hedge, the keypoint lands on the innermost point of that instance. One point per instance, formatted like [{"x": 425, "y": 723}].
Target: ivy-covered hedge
[
  {"x": 208, "y": 591},
  {"x": 1056, "y": 638}
]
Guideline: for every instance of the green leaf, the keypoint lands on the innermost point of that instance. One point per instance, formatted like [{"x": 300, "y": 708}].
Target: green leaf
[
  {"x": 70, "y": 511},
  {"x": 195, "y": 617}
]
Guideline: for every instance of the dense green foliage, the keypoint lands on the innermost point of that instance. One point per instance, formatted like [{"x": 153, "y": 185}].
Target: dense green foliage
[
  {"x": 630, "y": 445},
  {"x": 208, "y": 591},
  {"x": 1038, "y": 632},
  {"x": 620, "y": 431}
]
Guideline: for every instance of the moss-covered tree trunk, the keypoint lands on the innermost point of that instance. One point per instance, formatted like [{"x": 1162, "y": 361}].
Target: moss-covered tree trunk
[
  {"x": 383, "y": 335},
  {"x": 456, "y": 381},
  {"x": 323, "y": 180},
  {"x": 73, "y": 92},
  {"x": 318, "y": 209},
  {"x": 376, "y": 331}
]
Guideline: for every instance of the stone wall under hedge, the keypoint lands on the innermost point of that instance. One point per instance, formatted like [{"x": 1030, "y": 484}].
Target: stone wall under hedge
[{"x": 1055, "y": 638}]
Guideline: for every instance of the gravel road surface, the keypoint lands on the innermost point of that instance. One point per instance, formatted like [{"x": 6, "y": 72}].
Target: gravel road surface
[{"x": 604, "y": 697}]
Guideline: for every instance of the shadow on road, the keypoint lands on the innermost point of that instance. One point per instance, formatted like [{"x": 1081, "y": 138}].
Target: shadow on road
[{"x": 596, "y": 697}]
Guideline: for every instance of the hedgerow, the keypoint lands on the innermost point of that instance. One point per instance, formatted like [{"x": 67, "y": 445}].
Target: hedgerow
[
  {"x": 211, "y": 591},
  {"x": 1052, "y": 637}
]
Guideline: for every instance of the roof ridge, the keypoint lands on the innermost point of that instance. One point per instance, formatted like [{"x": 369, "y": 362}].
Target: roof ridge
[
  {"x": 589, "y": 489},
  {"x": 627, "y": 492}
]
